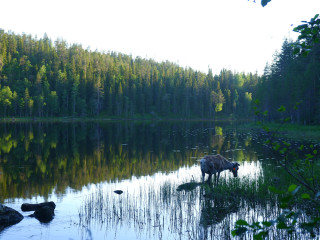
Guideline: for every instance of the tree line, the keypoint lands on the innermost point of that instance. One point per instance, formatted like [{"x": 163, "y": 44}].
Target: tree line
[
  {"x": 293, "y": 82},
  {"x": 41, "y": 78}
]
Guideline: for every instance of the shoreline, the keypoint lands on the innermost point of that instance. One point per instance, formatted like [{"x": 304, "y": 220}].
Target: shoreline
[{"x": 103, "y": 119}]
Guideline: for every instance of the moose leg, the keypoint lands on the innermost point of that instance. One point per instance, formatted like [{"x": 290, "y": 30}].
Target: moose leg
[
  {"x": 209, "y": 178},
  {"x": 203, "y": 174},
  {"x": 218, "y": 178}
]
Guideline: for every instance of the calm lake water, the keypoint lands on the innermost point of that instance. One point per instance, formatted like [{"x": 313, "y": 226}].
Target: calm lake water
[{"x": 79, "y": 165}]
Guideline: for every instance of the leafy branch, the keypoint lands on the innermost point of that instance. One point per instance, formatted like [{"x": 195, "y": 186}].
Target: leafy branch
[
  {"x": 299, "y": 170},
  {"x": 287, "y": 220},
  {"x": 309, "y": 35}
]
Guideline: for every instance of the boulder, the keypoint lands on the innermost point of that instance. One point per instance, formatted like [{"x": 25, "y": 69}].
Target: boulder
[
  {"x": 44, "y": 214},
  {"x": 8, "y": 216},
  {"x": 33, "y": 207}
]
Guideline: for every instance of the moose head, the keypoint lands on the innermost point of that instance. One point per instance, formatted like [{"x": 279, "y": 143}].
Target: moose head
[{"x": 235, "y": 168}]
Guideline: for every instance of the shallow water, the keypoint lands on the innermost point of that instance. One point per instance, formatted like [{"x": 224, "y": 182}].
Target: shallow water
[{"x": 78, "y": 166}]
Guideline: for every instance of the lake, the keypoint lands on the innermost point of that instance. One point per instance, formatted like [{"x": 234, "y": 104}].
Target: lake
[{"x": 80, "y": 165}]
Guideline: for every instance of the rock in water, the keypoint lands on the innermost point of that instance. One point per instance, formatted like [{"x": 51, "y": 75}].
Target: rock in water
[
  {"x": 44, "y": 214},
  {"x": 8, "y": 216},
  {"x": 190, "y": 186},
  {"x": 33, "y": 207},
  {"x": 118, "y": 192}
]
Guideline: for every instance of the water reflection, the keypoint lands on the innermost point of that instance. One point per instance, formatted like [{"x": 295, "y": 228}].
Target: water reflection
[
  {"x": 171, "y": 206},
  {"x": 79, "y": 165},
  {"x": 214, "y": 210},
  {"x": 38, "y": 158}
]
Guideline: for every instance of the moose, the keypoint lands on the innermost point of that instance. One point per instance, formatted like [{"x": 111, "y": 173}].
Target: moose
[{"x": 212, "y": 164}]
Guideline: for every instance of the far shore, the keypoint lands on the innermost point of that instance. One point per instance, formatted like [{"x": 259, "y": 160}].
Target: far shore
[{"x": 113, "y": 118}]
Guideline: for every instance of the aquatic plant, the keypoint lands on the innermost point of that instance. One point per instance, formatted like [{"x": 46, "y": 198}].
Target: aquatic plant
[{"x": 161, "y": 210}]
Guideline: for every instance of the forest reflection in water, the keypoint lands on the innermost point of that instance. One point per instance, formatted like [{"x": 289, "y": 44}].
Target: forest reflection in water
[
  {"x": 83, "y": 163},
  {"x": 39, "y": 158}
]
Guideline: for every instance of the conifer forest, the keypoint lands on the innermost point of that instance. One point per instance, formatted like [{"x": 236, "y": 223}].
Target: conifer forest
[{"x": 42, "y": 78}]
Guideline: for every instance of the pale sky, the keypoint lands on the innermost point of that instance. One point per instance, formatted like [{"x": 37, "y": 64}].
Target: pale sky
[{"x": 235, "y": 34}]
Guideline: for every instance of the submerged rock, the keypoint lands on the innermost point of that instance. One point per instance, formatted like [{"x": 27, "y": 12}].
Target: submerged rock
[
  {"x": 190, "y": 186},
  {"x": 44, "y": 212},
  {"x": 8, "y": 216}
]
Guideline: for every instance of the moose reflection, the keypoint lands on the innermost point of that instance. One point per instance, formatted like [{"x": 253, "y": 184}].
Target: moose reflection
[
  {"x": 215, "y": 208},
  {"x": 212, "y": 164}
]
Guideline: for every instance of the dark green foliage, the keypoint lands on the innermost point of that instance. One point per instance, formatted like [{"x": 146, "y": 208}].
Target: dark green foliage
[
  {"x": 304, "y": 172},
  {"x": 291, "y": 81},
  {"x": 287, "y": 220},
  {"x": 309, "y": 35},
  {"x": 294, "y": 75},
  {"x": 40, "y": 78},
  {"x": 265, "y": 2}
]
